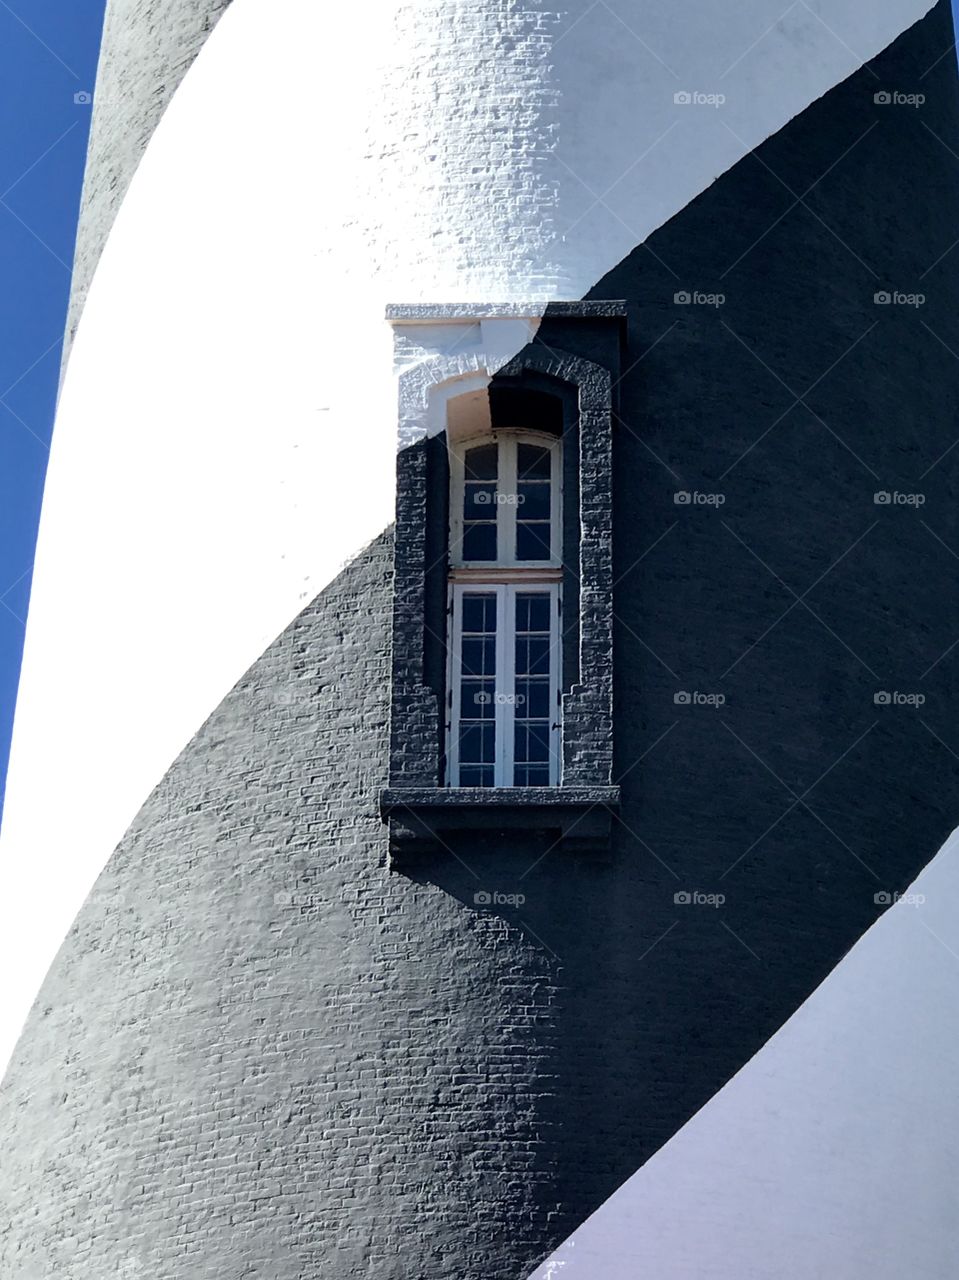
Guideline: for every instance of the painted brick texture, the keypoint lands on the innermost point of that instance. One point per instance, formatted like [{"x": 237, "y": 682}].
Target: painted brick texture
[
  {"x": 261, "y": 1054},
  {"x": 148, "y": 47}
]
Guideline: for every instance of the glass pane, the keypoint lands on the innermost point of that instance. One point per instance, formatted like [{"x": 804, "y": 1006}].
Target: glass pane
[
  {"x": 481, "y": 462},
  {"x": 479, "y": 501},
  {"x": 538, "y": 743},
  {"x": 479, "y": 656},
  {"x": 534, "y": 695},
  {"x": 531, "y": 743},
  {"x": 532, "y": 462},
  {"x": 532, "y": 656},
  {"x": 532, "y": 698},
  {"x": 533, "y": 775},
  {"x": 478, "y": 699},
  {"x": 479, "y": 613},
  {"x": 474, "y": 776},
  {"x": 532, "y": 612},
  {"x": 477, "y": 743},
  {"x": 532, "y": 500},
  {"x": 479, "y": 542},
  {"x": 532, "y": 541},
  {"x": 476, "y": 731}
]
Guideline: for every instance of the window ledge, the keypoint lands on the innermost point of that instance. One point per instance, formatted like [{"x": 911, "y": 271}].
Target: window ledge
[{"x": 423, "y": 820}]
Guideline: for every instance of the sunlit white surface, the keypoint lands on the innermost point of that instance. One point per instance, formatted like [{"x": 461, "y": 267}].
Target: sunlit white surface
[{"x": 225, "y": 436}]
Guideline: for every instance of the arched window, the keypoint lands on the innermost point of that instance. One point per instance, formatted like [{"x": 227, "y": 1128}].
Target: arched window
[{"x": 505, "y": 604}]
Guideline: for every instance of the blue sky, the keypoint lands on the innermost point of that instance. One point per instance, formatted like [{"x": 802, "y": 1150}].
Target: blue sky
[{"x": 48, "y": 54}]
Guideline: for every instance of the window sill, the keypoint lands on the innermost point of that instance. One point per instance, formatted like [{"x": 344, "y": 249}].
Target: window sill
[{"x": 425, "y": 820}]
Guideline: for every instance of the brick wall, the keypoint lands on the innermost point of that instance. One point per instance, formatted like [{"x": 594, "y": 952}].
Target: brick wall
[{"x": 259, "y": 1054}]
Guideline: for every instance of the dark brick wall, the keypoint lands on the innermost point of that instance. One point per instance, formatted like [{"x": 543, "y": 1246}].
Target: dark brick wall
[{"x": 260, "y": 1054}]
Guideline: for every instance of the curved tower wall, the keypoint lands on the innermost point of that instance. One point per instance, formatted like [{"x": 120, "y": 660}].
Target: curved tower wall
[
  {"x": 232, "y": 376},
  {"x": 309, "y": 1061},
  {"x": 147, "y": 48},
  {"x": 832, "y": 1151}
]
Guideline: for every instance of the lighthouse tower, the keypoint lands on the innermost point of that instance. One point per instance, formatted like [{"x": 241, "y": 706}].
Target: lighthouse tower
[{"x": 490, "y": 678}]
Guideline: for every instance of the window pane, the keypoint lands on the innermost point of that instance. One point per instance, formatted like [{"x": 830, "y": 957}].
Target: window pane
[
  {"x": 479, "y": 656},
  {"x": 473, "y": 776},
  {"x": 532, "y": 698},
  {"x": 534, "y": 694},
  {"x": 532, "y": 612},
  {"x": 532, "y": 462},
  {"x": 481, "y": 462},
  {"x": 538, "y": 742},
  {"x": 479, "y": 613},
  {"x": 532, "y": 500},
  {"x": 532, "y": 541},
  {"x": 531, "y": 743},
  {"x": 477, "y": 743},
  {"x": 479, "y": 502},
  {"x": 478, "y": 699},
  {"x": 476, "y": 730},
  {"x": 479, "y": 542},
  {"x": 532, "y": 656}
]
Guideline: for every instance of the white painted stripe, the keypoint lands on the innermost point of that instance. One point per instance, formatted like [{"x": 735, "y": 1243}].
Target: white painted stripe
[
  {"x": 833, "y": 1152},
  {"x": 225, "y": 435}
]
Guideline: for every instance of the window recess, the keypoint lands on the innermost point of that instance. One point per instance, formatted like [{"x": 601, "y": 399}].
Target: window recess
[{"x": 501, "y": 712}]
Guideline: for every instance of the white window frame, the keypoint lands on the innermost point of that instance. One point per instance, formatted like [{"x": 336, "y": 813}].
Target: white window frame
[
  {"x": 504, "y": 718},
  {"x": 507, "y": 442}
]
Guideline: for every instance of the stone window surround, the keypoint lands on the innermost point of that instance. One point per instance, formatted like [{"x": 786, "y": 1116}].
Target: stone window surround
[{"x": 443, "y": 352}]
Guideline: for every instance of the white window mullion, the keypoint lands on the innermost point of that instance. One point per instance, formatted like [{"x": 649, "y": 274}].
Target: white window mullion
[
  {"x": 507, "y": 525},
  {"x": 504, "y": 625},
  {"x": 455, "y": 668}
]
